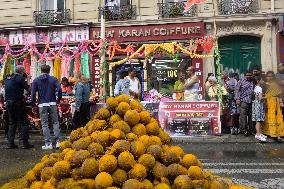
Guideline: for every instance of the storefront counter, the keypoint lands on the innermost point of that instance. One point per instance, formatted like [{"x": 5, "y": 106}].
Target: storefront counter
[{"x": 180, "y": 118}]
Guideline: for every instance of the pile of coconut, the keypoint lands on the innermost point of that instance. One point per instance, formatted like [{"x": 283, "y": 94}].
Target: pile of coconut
[{"x": 121, "y": 147}]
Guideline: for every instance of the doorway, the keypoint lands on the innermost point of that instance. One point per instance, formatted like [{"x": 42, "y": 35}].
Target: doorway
[{"x": 239, "y": 53}]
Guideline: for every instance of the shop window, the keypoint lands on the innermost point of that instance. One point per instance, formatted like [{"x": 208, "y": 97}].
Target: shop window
[{"x": 162, "y": 74}]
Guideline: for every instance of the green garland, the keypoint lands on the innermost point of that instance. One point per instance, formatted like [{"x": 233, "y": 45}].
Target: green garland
[
  {"x": 103, "y": 70},
  {"x": 219, "y": 74}
]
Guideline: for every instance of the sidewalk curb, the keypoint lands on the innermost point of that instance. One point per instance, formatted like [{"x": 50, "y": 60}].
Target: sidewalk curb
[{"x": 181, "y": 139}]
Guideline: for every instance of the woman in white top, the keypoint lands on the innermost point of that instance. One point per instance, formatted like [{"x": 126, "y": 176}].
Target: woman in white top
[
  {"x": 191, "y": 85},
  {"x": 135, "y": 85}
]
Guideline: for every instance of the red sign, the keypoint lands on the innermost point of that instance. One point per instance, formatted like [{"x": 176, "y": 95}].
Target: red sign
[
  {"x": 96, "y": 72},
  {"x": 151, "y": 32},
  {"x": 198, "y": 64},
  {"x": 190, "y": 118}
]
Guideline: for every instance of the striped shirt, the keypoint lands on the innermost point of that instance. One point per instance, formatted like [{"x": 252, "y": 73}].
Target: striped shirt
[{"x": 245, "y": 91}]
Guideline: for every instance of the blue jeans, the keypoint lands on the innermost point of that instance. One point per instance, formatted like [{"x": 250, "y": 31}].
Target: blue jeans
[{"x": 52, "y": 111}]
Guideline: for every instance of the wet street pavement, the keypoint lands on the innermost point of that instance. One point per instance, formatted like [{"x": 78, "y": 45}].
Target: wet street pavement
[{"x": 253, "y": 164}]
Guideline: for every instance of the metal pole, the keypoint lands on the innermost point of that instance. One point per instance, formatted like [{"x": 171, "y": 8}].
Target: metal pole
[{"x": 103, "y": 69}]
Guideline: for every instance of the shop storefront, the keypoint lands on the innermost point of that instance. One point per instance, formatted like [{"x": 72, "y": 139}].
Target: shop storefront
[
  {"x": 280, "y": 41},
  {"x": 158, "y": 72}
]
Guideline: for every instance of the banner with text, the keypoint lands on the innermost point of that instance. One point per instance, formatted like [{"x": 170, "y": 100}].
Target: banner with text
[{"x": 190, "y": 118}]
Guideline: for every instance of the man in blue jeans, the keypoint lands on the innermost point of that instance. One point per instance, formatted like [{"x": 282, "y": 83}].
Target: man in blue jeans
[{"x": 46, "y": 87}]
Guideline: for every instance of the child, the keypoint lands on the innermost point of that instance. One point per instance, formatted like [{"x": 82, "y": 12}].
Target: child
[{"x": 258, "y": 112}]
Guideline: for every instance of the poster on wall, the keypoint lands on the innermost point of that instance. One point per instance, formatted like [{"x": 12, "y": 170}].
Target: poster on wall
[
  {"x": 55, "y": 35},
  {"x": 69, "y": 34},
  {"x": 82, "y": 33},
  {"x": 4, "y": 38},
  {"x": 190, "y": 118},
  {"x": 41, "y": 36},
  {"x": 16, "y": 37},
  {"x": 29, "y": 36}
]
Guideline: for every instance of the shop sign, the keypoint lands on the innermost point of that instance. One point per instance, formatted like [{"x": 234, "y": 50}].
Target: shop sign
[
  {"x": 96, "y": 72},
  {"x": 152, "y": 32},
  {"x": 190, "y": 118}
]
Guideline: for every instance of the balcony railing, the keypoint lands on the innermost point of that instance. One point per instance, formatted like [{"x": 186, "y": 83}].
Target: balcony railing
[
  {"x": 127, "y": 12},
  {"x": 227, "y": 7},
  {"x": 175, "y": 9},
  {"x": 48, "y": 17}
]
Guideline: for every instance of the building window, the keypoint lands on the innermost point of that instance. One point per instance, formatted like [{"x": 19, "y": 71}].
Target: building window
[
  {"x": 118, "y": 10},
  {"x": 46, "y": 5},
  {"x": 175, "y": 8},
  {"x": 52, "y": 12}
]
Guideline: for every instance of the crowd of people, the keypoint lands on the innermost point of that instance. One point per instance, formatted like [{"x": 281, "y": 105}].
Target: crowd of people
[
  {"x": 46, "y": 93},
  {"x": 251, "y": 105}
]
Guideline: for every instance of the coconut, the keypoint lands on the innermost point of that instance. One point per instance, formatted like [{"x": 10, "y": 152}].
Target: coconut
[
  {"x": 153, "y": 128},
  {"x": 170, "y": 157},
  {"x": 178, "y": 150},
  {"x": 136, "y": 105},
  {"x": 37, "y": 169},
  {"x": 76, "y": 174},
  {"x": 114, "y": 118},
  {"x": 156, "y": 151},
  {"x": 198, "y": 183},
  {"x": 139, "y": 130},
  {"x": 182, "y": 182},
  {"x": 132, "y": 117},
  {"x": 66, "y": 183},
  {"x": 126, "y": 161},
  {"x": 87, "y": 183},
  {"x": 195, "y": 173},
  {"x": 122, "y": 108},
  {"x": 94, "y": 136},
  {"x": 165, "y": 137},
  {"x": 96, "y": 149},
  {"x": 160, "y": 170},
  {"x": 90, "y": 168},
  {"x": 123, "y": 98},
  {"x": 30, "y": 176},
  {"x": 117, "y": 134},
  {"x": 123, "y": 126},
  {"x": 36, "y": 185},
  {"x": 162, "y": 186},
  {"x": 137, "y": 148},
  {"x": 103, "y": 114},
  {"x": 218, "y": 184},
  {"x": 138, "y": 172},
  {"x": 131, "y": 137},
  {"x": 119, "y": 176},
  {"x": 69, "y": 155},
  {"x": 48, "y": 185},
  {"x": 145, "y": 140},
  {"x": 175, "y": 170},
  {"x": 79, "y": 157},
  {"x": 147, "y": 160},
  {"x": 154, "y": 140},
  {"x": 112, "y": 103},
  {"x": 147, "y": 184},
  {"x": 107, "y": 163},
  {"x": 46, "y": 173},
  {"x": 64, "y": 145},
  {"x": 189, "y": 160},
  {"x": 103, "y": 180},
  {"x": 75, "y": 135},
  {"x": 61, "y": 169},
  {"x": 132, "y": 184},
  {"x": 103, "y": 138},
  {"x": 120, "y": 146},
  {"x": 82, "y": 143},
  {"x": 145, "y": 117}
]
